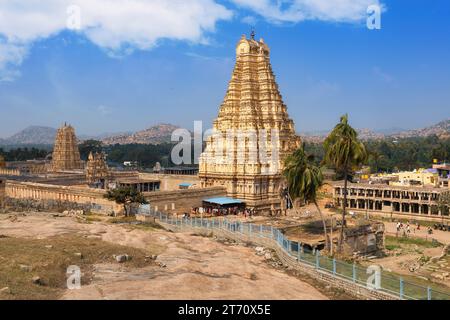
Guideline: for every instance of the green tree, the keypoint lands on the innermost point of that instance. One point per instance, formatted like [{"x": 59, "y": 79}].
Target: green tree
[
  {"x": 304, "y": 178},
  {"x": 444, "y": 203},
  {"x": 375, "y": 158},
  {"x": 126, "y": 196},
  {"x": 344, "y": 152},
  {"x": 89, "y": 146}
]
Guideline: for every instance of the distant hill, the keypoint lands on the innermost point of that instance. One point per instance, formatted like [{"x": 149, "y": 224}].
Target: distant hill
[
  {"x": 441, "y": 129},
  {"x": 38, "y": 135},
  {"x": 161, "y": 133},
  {"x": 103, "y": 136},
  {"x": 33, "y": 135},
  {"x": 158, "y": 134}
]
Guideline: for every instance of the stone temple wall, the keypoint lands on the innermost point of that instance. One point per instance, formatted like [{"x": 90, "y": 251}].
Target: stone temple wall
[
  {"x": 177, "y": 201},
  {"x": 181, "y": 201},
  {"x": 63, "y": 194},
  {"x": 170, "y": 182},
  {"x": 2, "y": 191}
]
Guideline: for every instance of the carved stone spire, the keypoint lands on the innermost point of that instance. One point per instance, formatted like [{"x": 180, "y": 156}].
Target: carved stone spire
[
  {"x": 252, "y": 106},
  {"x": 66, "y": 155}
]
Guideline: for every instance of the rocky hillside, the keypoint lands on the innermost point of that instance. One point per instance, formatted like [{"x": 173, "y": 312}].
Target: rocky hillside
[
  {"x": 158, "y": 134},
  {"x": 32, "y": 135},
  {"x": 442, "y": 130}
]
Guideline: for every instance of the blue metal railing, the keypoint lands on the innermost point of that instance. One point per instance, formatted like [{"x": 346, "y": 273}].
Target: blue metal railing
[{"x": 388, "y": 282}]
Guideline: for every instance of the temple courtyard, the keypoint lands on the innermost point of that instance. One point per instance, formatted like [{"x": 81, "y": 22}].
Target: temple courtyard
[{"x": 36, "y": 249}]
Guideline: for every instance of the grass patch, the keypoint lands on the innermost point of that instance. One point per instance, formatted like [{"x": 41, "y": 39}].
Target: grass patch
[
  {"x": 148, "y": 226},
  {"x": 50, "y": 263},
  {"x": 120, "y": 220},
  {"x": 392, "y": 247},
  {"x": 392, "y": 242}
]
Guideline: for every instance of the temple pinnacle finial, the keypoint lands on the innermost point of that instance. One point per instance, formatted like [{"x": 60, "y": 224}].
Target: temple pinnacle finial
[{"x": 253, "y": 34}]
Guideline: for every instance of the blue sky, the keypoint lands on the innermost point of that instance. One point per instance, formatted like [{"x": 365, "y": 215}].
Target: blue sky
[{"x": 172, "y": 64}]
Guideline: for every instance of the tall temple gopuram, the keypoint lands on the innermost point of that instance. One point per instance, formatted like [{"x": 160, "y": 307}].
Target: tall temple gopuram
[
  {"x": 66, "y": 155},
  {"x": 253, "y": 133}
]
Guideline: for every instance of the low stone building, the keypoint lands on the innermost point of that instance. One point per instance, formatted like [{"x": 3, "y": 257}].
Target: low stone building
[
  {"x": 364, "y": 239},
  {"x": 413, "y": 202}
]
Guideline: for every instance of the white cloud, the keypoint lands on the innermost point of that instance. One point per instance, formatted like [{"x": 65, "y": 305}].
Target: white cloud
[
  {"x": 11, "y": 56},
  {"x": 279, "y": 11},
  {"x": 250, "y": 20},
  {"x": 104, "y": 110},
  {"x": 119, "y": 26},
  {"x": 386, "y": 77}
]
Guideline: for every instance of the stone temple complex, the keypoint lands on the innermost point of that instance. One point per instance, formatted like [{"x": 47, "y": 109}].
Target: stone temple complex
[
  {"x": 66, "y": 155},
  {"x": 253, "y": 134}
]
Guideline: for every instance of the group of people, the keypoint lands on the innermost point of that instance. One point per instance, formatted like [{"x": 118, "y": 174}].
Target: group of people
[
  {"x": 406, "y": 228},
  {"x": 236, "y": 211}
]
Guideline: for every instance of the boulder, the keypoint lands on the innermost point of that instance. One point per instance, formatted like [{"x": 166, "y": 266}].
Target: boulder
[
  {"x": 5, "y": 290},
  {"x": 122, "y": 258},
  {"x": 37, "y": 280},
  {"x": 25, "y": 268}
]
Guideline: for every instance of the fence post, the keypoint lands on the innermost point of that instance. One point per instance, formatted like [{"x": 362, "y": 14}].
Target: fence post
[
  {"x": 354, "y": 272},
  {"x": 271, "y": 232},
  {"x": 250, "y": 230},
  {"x": 260, "y": 230},
  {"x": 317, "y": 259},
  {"x": 429, "y": 293},
  {"x": 334, "y": 266},
  {"x": 299, "y": 253},
  {"x": 401, "y": 288}
]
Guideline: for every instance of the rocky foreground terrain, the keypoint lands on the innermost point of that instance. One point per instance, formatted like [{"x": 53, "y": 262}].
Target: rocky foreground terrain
[{"x": 136, "y": 262}]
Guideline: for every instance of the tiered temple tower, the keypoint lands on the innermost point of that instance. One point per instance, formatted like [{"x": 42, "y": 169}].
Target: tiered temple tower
[
  {"x": 2, "y": 162},
  {"x": 97, "y": 172},
  {"x": 253, "y": 133},
  {"x": 66, "y": 155}
]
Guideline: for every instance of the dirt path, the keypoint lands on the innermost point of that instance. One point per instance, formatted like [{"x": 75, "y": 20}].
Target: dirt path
[
  {"x": 441, "y": 236},
  {"x": 193, "y": 267}
]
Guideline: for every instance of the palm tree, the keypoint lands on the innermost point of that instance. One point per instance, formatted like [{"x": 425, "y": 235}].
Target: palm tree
[
  {"x": 304, "y": 179},
  {"x": 376, "y": 158},
  {"x": 344, "y": 151}
]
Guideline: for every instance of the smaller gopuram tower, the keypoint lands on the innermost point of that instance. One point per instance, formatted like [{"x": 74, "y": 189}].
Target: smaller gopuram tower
[
  {"x": 2, "y": 162},
  {"x": 97, "y": 171},
  {"x": 66, "y": 155}
]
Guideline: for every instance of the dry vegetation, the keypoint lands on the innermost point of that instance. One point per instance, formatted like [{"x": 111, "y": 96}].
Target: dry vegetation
[{"x": 22, "y": 259}]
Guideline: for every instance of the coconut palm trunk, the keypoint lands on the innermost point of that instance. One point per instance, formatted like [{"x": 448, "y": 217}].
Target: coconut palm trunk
[
  {"x": 325, "y": 232},
  {"x": 344, "y": 211}
]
